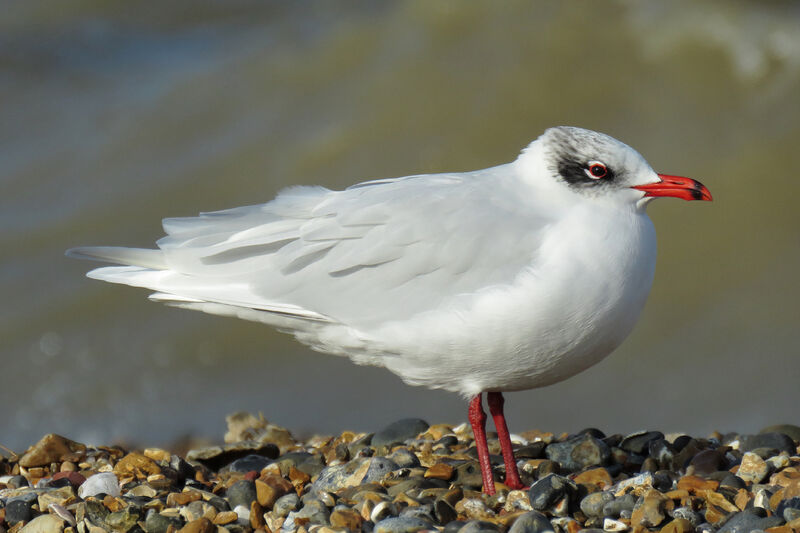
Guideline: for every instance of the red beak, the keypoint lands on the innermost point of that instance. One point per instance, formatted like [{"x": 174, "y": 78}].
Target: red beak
[{"x": 677, "y": 187}]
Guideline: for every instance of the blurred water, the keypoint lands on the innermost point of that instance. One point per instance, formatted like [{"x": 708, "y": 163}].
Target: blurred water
[{"x": 114, "y": 115}]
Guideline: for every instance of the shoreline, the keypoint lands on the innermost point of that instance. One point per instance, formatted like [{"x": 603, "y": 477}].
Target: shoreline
[{"x": 409, "y": 476}]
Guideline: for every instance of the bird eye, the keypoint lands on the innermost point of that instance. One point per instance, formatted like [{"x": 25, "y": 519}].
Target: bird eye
[{"x": 596, "y": 170}]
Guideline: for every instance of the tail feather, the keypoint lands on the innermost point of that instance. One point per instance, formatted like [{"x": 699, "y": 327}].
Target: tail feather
[{"x": 140, "y": 257}]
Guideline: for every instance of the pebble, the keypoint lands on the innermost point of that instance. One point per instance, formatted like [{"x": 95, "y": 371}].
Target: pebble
[
  {"x": 399, "y": 432},
  {"x": 578, "y": 453},
  {"x": 753, "y": 468},
  {"x": 550, "y": 492},
  {"x": 46, "y": 523},
  {"x": 102, "y": 483},
  {"x": 402, "y": 524},
  {"x": 412, "y": 477},
  {"x": 532, "y": 522}
]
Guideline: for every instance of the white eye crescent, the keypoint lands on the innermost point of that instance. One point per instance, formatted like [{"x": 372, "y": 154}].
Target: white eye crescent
[{"x": 596, "y": 170}]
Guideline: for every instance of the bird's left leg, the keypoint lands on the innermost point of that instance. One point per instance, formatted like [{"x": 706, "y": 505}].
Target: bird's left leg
[{"x": 496, "y": 401}]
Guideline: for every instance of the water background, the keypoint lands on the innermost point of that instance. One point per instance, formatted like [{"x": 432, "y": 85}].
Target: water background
[{"x": 114, "y": 115}]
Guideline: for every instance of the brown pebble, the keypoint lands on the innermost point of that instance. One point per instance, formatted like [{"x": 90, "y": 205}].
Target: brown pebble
[
  {"x": 441, "y": 471},
  {"x": 694, "y": 484},
  {"x": 679, "y": 525},
  {"x": 225, "y": 517},
  {"x": 256, "y": 516},
  {"x": 201, "y": 525},
  {"x": 113, "y": 504},
  {"x": 298, "y": 478},
  {"x": 50, "y": 449},
  {"x": 271, "y": 487},
  {"x": 346, "y": 518},
  {"x": 136, "y": 465},
  {"x": 68, "y": 466},
  {"x": 786, "y": 528},
  {"x": 176, "y": 499},
  {"x": 651, "y": 512},
  {"x": 157, "y": 454},
  {"x": 598, "y": 477},
  {"x": 743, "y": 496}
]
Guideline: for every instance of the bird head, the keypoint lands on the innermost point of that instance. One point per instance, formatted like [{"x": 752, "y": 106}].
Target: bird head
[{"x": 595, "y": 165}]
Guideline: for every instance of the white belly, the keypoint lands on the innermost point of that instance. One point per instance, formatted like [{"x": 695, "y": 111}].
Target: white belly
[{"x": 573, "y": 306}]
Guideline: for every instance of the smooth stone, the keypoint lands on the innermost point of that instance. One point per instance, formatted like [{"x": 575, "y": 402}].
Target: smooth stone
[
  {"x": 137, "y": 465},
  {"x": 639, "y": 443},
  {"x": 423, "y": 511},
  {"x": 313, "y": 512},
  {"x": 404, "y": 458},
  {"x": 101, "y": 483},
  {"x": 357, "y": 472},
  {"x": 308, "y": 463},
  {"x": 249, "y": 463},
  {"x": 532, "y": 522},
  {"x": 201, "y": 525},
  {"x": 242, "y": 492},
  {"x": 786, "y": 507},
  {"x": 620, "y": 505},
  {"x": 347, "y": 519},
  {"x": 454, "y": 526},
  {"x": 789, "y": 430},
  {"x": 732, "y": 480},
  {"x": 707, "y": 462},
  {"x": 402, "y": 524},
  {"x": 76, "y": 479},
  {"x": 746, "y": 522},
  {"x": 662, "y": 451},
  {"x": 96, "y": 513},
  {"x": 123, "y": 520},
  {"x": 468, "y": 474},
  {"x": 19, "y": 510},
  {"x": 534, "y": 450},
  {"x": 286, "y": 504},
  {"x": 159, "y": 523},
  {"x": 399, "y": 432},
  {"x": 773, "y": 441},
  {"x": 592, "y": 504},
  {"x": 216, "y": 457},
  {"x": 579, "y": 453},
  {"x": 479, "y": 526},
  {"x": 753, "y": 468},
  {"x": 688, "y": 514},
  {"x": 444, "y": 512},
  {"x": 17, "y": 482},
  {"x": 649, "y": 511},
  {"x": 50, "y": 449},
  {"x": 548, "y": 491},
  {"x": 678, "y": 525},
  {"x": 46, "y": 523},
  {"x": 62, "y": 496}
]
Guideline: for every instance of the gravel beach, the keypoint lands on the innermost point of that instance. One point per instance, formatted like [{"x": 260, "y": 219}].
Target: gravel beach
[{"x": 409, "y": 476}]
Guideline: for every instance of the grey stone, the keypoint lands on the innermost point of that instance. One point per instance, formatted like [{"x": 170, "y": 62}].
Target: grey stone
[
  {"x": 619, "y": 505},
  {"x": 746, "y": 522},
  {"x": 249, "y": 463},
  {"x": 789, "y": 430},
  {"x": 532, "y": 522},
  {"x": 479, "y": 526},
  {"x": 313, "y": 512},
  {"x": 334, "y": 478},
  {"x": 592, "y": 504},
  {"x": 404, "y": 458},
  {"x": 242, "y": 492},
  {"x": 286, "y": 504},
  {"x": 579, "y": 453},
  {"x": 400, "y": 431},
  {"x": 549, "y": 490},
  {"x": 19, "y": 510},
  {"x": 773, "y": 441},
  {"x": 402, "y": 524},
  {"x": 640, "y": 442},
  {"x": 687, "y": 513}
]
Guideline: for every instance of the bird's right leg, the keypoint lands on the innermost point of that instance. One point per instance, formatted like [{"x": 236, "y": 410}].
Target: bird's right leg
[{"x": 477, "y": 418}]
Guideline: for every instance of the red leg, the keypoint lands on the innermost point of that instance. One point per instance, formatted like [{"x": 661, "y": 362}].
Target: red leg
[
  {"x": 477, "y": 418},
  {"x": 496, "y": 401}
]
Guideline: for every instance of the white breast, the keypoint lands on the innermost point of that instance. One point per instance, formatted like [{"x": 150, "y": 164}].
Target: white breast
[{"x": 574, "y": 304}]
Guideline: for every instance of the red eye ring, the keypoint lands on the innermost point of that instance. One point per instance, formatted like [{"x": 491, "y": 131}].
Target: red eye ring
[{"x": 596, "y": 170}]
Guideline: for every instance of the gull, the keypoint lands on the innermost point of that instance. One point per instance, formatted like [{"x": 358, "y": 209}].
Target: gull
[{"x": 502, "y": 279}]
